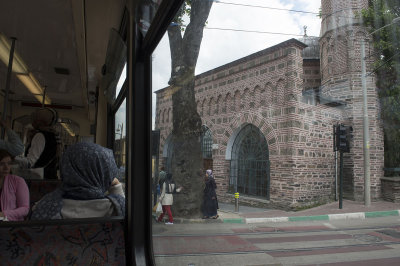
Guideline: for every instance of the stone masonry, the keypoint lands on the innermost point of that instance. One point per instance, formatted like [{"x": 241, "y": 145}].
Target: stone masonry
[
  {"x": 340, "y": 42},
  {"x": 294, "y": 94}
]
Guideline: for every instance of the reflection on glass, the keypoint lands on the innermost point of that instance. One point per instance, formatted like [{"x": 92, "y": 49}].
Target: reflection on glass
[
  {"x": 260, "y": 111},
  {"x": 148, "y": 10},
  {"x": 121, "y": 81},
  {"x": 120, "y": 137},
  {"x": 115, "y": 62}
]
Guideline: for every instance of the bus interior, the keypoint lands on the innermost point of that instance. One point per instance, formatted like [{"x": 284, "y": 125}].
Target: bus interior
[
  {"x": 80, "y": 58},
  {"x": 93, "y": 62}
]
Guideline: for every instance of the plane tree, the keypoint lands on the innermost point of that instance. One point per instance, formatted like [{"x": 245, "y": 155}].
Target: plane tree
[
  {"x": 380, "y": 18},
  {"x": 187, "y": 161}
]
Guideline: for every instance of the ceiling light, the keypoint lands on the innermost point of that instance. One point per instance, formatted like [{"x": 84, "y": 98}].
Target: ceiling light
[
  {"x": 21, "y": 70},
  {"x": 18, "y": 64},
  {"x": 33, "y": 86},
  {"x": 68, "y": 129}
]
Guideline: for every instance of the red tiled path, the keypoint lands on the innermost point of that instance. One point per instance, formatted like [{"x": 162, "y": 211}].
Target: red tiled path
[{"x": 200, "y": 244}]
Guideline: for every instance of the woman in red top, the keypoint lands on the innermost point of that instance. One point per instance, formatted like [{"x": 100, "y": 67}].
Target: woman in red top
[{"x": 14, "y": 193}]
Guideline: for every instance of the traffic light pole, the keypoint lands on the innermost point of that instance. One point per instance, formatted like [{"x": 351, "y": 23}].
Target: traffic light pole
[
  {"x": 336, "y": 176},
  {"x": 341, "y": 181},
  {"x": 336, "y": 161},
  {"x": 341, "y": 143}
]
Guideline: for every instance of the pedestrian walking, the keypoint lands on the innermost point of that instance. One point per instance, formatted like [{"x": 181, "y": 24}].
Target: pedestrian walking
[
  {"x": 167, "y": 199},
  {"x": 161, "y": 176}
]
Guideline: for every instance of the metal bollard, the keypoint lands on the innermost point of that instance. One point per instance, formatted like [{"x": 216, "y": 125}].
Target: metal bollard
[{"x": 236, "y": 201}]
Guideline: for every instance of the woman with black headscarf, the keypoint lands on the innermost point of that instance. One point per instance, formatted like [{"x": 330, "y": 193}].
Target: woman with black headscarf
[
  {"x": 210, "y": 202},
  {"x": 89, "y": 188}
]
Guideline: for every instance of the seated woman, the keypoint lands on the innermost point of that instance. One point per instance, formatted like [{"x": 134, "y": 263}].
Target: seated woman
[
  {"x": 14, "y": 193},
  {"x": 89, "y": 186}
]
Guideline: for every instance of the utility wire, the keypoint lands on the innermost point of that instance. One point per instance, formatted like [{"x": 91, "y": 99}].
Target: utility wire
[
  {"x": 255, "y": 31},
  {"x": 249, "y": 31},
  {"x": 265, "y": 7},
  {"x": 282, "y": 9}
]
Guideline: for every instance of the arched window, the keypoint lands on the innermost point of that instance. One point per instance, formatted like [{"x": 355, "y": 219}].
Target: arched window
[
  {"x": 209, "y": 109},
  {"x": 206, "y": 142},
  {"x": 217, "y": 105},
  {"x": 250, "y": 170},
  {"x": 236, "y": 102},
  {"x": 244, "y": 98},
  {"x": 227, "y": 103}
]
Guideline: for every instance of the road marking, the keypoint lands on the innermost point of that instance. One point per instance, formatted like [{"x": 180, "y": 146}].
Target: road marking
[{"x": 331, "y": 226}]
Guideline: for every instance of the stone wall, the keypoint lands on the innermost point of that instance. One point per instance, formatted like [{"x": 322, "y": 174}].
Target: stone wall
[
  {"x": 294, "y": 102},
  {"x": 391, "y": 188},
  {"x": 340, "y": 42},
  {"x": 267, "y": 91}
]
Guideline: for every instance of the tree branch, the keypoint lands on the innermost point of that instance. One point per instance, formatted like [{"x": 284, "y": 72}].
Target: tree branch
[
  {"x": 200, "y": 10},
  {"x": 175, "y": 46}
]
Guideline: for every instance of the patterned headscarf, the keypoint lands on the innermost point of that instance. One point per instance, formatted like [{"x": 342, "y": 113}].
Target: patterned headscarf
[
  {"x": 210, "y": 173},
  {"x": 87, "y": 170}
]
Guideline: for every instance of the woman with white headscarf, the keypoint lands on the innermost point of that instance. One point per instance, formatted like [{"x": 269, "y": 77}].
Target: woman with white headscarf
[
  {"x": 89, "y": 186},
  {"x": 210, "y": 201}
]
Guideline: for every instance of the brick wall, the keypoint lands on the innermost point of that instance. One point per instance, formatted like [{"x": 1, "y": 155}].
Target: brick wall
[
  {"x": 340, "y": 46},
  {"x": 294, "y": 102},
  {"x": 266, "y": 91}
]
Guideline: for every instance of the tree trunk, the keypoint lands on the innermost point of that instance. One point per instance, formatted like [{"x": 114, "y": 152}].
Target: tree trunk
[
  {"x": 187, "y": 157},
  {"x": 187, "y": 160}
]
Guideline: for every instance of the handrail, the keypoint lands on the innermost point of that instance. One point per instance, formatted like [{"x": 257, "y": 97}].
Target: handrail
[{"x": 62, "y": 222}]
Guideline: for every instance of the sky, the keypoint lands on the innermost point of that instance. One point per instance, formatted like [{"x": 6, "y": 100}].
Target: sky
[{"x": 220, "y": 47}]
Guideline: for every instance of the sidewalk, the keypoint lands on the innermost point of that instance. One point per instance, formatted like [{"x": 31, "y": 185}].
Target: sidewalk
[{"x": 331, "y": 211}]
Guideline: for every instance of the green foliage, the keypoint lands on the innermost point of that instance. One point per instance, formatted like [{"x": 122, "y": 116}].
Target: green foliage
[
  {"x": 183, "y": 11},
  {"x": 386, "y": 38}
]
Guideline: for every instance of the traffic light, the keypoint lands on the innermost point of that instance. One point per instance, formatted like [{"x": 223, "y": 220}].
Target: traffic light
[{"x": 342, "y": 138}]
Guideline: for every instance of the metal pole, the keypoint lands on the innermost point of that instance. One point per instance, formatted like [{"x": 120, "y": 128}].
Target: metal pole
[
  {"x": 156, "y": 176},
  {"x": 341, "y": 181},
  {"x": 121, "y": 146},
  {"x": 336, "y": 177},
  {"x": 156, "y": 170},
  {"x": 8, "y": 80},
  {"x": 44, "y": 96},
  {"x": 336, "y": 161},
  {"x": 367, "y": 182},
  {"x": 237, "y": 202}
]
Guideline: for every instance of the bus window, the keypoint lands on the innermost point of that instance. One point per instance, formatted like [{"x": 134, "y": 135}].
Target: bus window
[
  {"x": 265, "y": 103},
  {"x": 120, "y": 138}
]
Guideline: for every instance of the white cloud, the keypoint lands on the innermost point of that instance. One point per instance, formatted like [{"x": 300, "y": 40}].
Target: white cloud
[{"x": 221, "y": 47}]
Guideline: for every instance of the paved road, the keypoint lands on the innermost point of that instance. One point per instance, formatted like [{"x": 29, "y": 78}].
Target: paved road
[{"x": 346, "y": 242}]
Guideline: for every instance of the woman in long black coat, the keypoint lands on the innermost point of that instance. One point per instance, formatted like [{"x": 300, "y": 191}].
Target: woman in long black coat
[{"x": 210, "y": 201}]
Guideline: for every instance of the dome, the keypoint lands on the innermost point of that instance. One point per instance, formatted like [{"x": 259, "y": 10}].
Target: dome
[{"x": 312, "y": 49}]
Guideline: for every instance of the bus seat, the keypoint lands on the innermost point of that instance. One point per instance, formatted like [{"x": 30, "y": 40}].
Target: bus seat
[
  {"x": 65, "y": 242},
  {"x": 40, "y": 187},
  {"x": 37, "y": 189}
]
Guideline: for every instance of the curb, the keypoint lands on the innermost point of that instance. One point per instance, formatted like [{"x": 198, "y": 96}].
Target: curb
[
  {"x": 234, "y": 220},
  {"x": 327, "y": 217}
]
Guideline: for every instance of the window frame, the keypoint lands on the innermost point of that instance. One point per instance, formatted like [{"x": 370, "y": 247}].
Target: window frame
[{"x": 139, "y": 239}]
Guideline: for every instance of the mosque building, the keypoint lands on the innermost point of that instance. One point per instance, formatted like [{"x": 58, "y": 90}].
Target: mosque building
[{"x": 268, "y": 117}]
